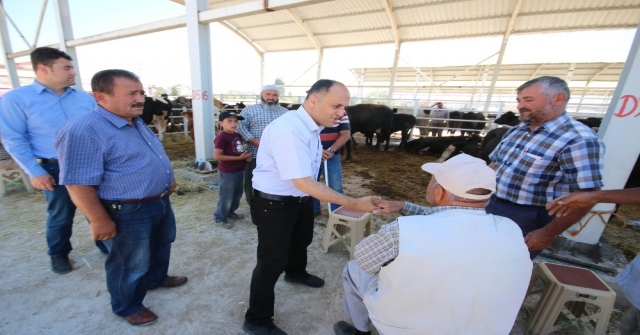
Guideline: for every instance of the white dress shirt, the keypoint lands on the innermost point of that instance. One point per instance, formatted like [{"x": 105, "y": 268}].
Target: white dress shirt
[{"x": 289, "y": 149}]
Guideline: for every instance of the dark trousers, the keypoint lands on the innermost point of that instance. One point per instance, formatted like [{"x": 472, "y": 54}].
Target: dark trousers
[
  {"x": 248, "y": 174},
  {"x": 61, "y": 212},
  {"x": 285, "y": 230},
  {"x": 528, "y": 218},
  {"x": 139, "y": 254}
]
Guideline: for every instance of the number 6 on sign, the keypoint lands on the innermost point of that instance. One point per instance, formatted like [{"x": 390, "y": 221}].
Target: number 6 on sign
[{"x": 197, "y": 95}]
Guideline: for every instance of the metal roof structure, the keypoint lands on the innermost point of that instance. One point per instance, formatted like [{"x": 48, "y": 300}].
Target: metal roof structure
[{"x": 343, "y": 23}]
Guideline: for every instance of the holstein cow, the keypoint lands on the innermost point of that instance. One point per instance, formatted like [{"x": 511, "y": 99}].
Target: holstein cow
[
  {"x": 472, "y": 116},
  {"x": 432, "y": 145},
  {"x": 155, "y": 112},
  {"x": 290, "y": 105},
  {"x": 470, "y": 146},
  {"x": 368, "y": 119},
  {"x": 508, "y": 119}
]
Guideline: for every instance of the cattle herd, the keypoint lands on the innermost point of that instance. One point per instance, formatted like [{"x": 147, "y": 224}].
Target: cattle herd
[{"x": 437, "y": 127}]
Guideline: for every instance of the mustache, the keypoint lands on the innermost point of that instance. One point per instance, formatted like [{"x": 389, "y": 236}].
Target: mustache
[{"x": 138, "y": 105}]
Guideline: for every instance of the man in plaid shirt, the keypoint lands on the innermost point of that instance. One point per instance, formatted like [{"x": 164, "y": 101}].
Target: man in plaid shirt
[
  {"x": 256, "y": 118},
  {"x": 547, "y": 155}
]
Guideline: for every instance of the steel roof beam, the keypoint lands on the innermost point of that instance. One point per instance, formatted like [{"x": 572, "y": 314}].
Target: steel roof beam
[{"x": 304, "y": 28}]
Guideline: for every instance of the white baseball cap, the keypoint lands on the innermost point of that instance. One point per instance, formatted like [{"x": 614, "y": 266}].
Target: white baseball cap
[{"x": 462, "y": 173}]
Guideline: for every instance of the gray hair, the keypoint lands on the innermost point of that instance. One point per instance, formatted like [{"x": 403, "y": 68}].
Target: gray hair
[
  {"x": 548, "y": 85},
  {"x": 103, "y": 81}
]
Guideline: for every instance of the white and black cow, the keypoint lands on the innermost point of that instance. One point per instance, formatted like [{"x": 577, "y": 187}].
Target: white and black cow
[{"x": 155, "y": 112}]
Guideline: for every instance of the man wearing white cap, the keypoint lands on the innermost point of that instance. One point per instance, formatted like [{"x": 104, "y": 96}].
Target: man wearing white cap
[
  {"x": 256, "y": 118},
  {"x": 449, "y": 269}
]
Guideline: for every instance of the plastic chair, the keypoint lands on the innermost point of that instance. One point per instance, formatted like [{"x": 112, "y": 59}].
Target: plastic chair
[
  {"x": 12, "y": 176},
  {"x": 345, "y": 223},
  {"x": 577, "y": 293}
]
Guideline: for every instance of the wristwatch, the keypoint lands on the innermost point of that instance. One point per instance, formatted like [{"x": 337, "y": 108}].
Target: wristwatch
[{"x": 331, "y": 150}]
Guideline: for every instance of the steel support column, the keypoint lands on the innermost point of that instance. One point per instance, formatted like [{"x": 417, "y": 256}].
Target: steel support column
[
  {"x": 65, "y": 33},
  {"x": 392, "y": 83},
  {"x": 199, "y": 43},
  {"x": 5, "y": 48}
]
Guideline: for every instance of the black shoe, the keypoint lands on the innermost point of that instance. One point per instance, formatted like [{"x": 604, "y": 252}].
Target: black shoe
[
  {"x": 345, "y": 328},
  {"x": 267, "y": 329},
  {"x": 61, "y": 264},
  {"x": 306, "y": 279}
]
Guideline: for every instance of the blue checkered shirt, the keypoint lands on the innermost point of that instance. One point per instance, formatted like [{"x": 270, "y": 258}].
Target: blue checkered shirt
[
  {"x": 383, "y": 247},
  {"x": 122, "y": 161},
  {"x": 535, "y": 167},
  {"x": 256, "y": 118}
]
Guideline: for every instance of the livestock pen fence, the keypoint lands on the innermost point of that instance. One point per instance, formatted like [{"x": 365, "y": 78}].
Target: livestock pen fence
[{"x": 416, "y": 107}]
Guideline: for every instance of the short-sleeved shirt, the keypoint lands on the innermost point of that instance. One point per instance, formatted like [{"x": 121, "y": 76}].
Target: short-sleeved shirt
[
  {"x": 121, "y": 160},
  {"x": 329, "y": 135},
  {"x": 231, "y": 145},
  {"x": 535, "y": 167},
  {"x": 289, "y": 149}
]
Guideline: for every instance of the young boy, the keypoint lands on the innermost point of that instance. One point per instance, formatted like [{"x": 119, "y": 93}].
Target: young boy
[{"x": 228, "y": 149}]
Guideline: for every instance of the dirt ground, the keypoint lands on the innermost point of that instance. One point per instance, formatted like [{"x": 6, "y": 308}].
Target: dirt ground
[{"x": 217, "y": 261}]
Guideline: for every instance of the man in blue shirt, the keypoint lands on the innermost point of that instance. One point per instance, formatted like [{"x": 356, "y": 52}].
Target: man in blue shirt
[
  {"x": 30, "y": 116},
  {"x": 119, "y": 175}
]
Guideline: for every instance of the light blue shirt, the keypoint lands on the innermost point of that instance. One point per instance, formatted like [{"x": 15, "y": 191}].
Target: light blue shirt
[
  {"x": 122, "y": 161},
  {"x": 31, "y": 115}
]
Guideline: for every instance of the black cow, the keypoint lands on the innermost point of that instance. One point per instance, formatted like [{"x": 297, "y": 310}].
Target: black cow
[
  {"x": 490, "y": 142},
  {"x": 403, "y": 123},
  {"x": 369, "y": 119},
  {"x": 290, "y": 106},
  {"x": 508, "y": 119},
  {"x": 155, "y": 111},
  {"x": 432, "y": 145},
  {"x": 454, "y": 122},
  {"x": 592, "y": 122},
  {"x": 472, "y": 116},
  {"x": 470, "y": 146}
]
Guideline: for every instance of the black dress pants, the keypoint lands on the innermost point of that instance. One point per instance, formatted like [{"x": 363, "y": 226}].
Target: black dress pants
[{"x": 285, "y": 230}]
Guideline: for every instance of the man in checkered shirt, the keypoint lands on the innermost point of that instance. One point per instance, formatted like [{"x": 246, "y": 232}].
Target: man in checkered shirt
[
  {"x": 256, "y": 118},
  {"x": 547, "y": 155}
]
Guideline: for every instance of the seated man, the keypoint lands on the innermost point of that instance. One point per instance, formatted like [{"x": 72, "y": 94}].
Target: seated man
[{"x": 453, "y": 269}]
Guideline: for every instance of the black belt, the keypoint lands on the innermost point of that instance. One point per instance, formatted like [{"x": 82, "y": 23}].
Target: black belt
[
  {"x": 128, "y": 201},
  {"x": 508, "y": 202},
  {"x": 47, "y": 160},
  {"x": 275, "y": 197}
]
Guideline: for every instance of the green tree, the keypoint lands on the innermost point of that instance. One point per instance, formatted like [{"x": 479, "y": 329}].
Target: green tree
[
  {"x": 174, "y": 90},
  {"x": 160, "y": 91},
  {"x": 279, "y": 82}
]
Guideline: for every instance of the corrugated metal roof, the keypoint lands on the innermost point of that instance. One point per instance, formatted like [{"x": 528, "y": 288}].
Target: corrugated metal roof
[
  {"x": 596, "y": 74},
  {"x": 359, "y": 22}
]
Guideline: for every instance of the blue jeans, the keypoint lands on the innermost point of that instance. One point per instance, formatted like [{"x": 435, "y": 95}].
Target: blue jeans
[
  {"x": 139, "y": 254},
  {"x": 230, "y": 194},
  {"x": 60, "y": 220},
  {"x": 528, "y": 218},
  {"x": 334, "y": 173}
]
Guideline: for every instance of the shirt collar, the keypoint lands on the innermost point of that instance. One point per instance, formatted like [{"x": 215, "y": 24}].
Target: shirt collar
[
  {"x": 114, "y": 119},
  {"x": 307, "y": 120},
  {"x": 40, "y": 88},
  {"x": 437, "y": 209}
]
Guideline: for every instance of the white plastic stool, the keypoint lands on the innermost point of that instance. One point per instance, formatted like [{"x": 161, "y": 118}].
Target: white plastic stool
[
  {"x": 359, "y": 224},
  {"x": 567, "y": 291}
]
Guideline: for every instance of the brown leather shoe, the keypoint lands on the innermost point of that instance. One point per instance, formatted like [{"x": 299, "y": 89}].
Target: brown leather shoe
[
  {"x": 175, "y": 281},
  {"x": 142, "y": 318}
]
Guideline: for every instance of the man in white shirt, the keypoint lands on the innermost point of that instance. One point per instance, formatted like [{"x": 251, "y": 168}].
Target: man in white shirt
[
  {"x": 284, "y": 181},
  {"x": 453, "y": 269}
]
